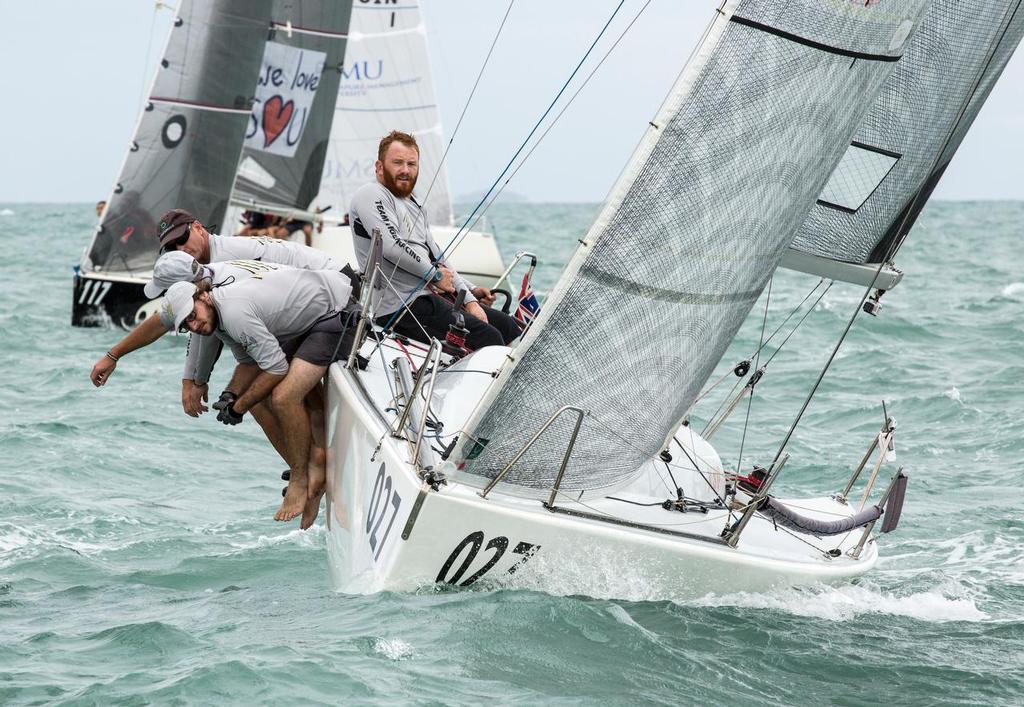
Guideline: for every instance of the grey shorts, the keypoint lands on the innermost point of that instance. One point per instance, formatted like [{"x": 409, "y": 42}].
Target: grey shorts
[{"x": 327, "y": 341}]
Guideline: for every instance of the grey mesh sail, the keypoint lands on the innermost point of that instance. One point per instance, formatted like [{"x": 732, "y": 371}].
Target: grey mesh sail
[
  {"x": 687, "y": 240},
  {"x": 291, "y": 178},
  {"x": 909, "y": 136},
  {"x": 185, "y": 149}
]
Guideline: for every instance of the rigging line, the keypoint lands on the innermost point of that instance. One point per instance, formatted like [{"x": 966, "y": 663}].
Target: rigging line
[
  {"x": 714, "y": 417},
  {"x": 540, "y": 120},
  {"x": 772, "y": 336},
  {"x": 920, "y": 193},
  {"x": 824, "y": 370},
  {"x": 401, "y": 311},
  {"x": 544, "y": 115},
  {"x": 757, "y": 362},
  {"x": 554, "y": 121},
  {"x": 806, "y": 314},
  {"x": 149, "y": 51},
  {"x": 465, "y": 108},
  {"x": 597, "y": 511}
]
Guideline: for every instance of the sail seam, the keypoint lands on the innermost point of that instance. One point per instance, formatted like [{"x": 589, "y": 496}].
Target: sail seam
[
  {"x": 650, "y": 292},
  {"x": 810, "y": 42}
]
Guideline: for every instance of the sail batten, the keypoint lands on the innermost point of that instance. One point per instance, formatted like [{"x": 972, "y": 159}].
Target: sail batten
[{"x": 688, "y": 239}]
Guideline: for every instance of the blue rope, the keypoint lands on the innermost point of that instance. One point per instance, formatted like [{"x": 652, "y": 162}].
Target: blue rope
[{"x": 430, "y": 273}]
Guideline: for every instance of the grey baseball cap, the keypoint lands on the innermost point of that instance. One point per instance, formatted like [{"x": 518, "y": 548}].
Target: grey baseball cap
[
  {"x": 174, "y": 266},
  {"x": 177, "y": 304}
]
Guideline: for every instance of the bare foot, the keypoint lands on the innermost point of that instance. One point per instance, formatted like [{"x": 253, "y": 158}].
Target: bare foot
[
  {"x": 311, "y": 511},
  {"x": 294, "y": 498}
]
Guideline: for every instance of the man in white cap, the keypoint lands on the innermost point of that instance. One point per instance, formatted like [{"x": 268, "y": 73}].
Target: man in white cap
[
  {"x": 172, "y": 267},
  {"x": 304, "y": 309}
]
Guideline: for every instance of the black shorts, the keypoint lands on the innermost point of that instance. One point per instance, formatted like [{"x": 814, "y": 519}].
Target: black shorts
[{"x": 327, "y": 341}]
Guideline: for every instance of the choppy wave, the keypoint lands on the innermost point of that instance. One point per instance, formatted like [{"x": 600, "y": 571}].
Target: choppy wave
[{"x": 139, "y": 562}]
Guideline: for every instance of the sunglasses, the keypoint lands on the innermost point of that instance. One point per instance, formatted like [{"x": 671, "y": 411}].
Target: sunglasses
[
  {"x": 183, "y": 329},
  {"x": 179, "y": 241}
]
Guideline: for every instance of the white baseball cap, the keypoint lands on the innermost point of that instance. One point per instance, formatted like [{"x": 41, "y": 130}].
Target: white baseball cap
[
  {"x": 171, "y": 267},
  {"x": 177, "y": 304}
]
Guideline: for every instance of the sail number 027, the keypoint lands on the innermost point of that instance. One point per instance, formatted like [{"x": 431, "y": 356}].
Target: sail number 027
[
  {"x": 474, "y": 541},
  {"x": 384, "y": 503}
]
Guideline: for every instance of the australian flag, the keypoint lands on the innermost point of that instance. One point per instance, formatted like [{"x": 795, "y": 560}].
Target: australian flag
[{"x": 528, "y": 304}]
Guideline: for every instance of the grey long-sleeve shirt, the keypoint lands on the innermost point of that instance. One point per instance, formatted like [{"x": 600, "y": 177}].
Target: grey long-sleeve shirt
[
  {"x": 201, "y": 353},
  {"x": 254, "y": 315},
  {"x": 409, "y": 249}
]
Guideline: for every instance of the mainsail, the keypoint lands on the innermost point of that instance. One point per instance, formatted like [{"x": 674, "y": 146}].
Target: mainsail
[
  {"x": 186, "y": 145},
  {"x": 386, "y": 85},
  {"x": 287, "y": 134},
  {"x": 687, "y": 240},
  {"x": 908, "y": 138}
]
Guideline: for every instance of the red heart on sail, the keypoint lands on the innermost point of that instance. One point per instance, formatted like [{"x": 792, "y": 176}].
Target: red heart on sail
[{"x": 276, "y": 114}]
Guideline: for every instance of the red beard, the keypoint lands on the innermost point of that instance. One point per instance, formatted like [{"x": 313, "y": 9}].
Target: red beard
[{"x": 400, "y": 189}]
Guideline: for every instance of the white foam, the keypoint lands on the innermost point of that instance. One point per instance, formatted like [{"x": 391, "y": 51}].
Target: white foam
[
  {"x": 307, "y": 538},
  {"x": 6, "y": 212},
  {"x": 846, "y": 602},
  {"x": 953, "y": 394},
  {"x": 12, "y": 537},
  {"x": 393, "y": 648},
  {"x": 1013, "y": 289}
]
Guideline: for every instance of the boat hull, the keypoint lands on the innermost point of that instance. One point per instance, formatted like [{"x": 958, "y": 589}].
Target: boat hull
[
  {"x": 387, "y": 530},
  {"x": 100, "y": 300}
]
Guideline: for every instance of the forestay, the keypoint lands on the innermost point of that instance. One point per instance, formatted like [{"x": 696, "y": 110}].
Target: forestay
[
  {"x": 188, "y": 139},
  {"x": 687, "y": 240},
  {"x": 386, "y": 84},
  {"x": 287, "y": 134},
  {"x": 909, "y": 136}
]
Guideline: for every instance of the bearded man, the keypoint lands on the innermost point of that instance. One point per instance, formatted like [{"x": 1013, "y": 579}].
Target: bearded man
[{"x": 415, "y": 272}]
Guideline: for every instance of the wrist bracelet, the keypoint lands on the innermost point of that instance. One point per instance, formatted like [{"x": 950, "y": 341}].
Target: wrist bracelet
[{"x": 112, "y": 357}]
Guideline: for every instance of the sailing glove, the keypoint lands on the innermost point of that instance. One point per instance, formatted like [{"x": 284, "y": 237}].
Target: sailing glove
[{"x": 225, "y": 409}]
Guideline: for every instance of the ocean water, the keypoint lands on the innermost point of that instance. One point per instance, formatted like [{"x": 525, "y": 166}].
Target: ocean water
[{"x": 139, "y": 562}]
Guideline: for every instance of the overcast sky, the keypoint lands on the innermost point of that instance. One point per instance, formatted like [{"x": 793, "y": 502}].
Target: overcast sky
[{"x": 74, "y": 75}]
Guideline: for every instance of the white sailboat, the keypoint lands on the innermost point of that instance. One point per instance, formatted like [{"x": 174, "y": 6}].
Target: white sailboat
[{"x": 523, "y": 465}]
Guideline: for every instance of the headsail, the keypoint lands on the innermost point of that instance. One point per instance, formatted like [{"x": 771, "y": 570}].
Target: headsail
[
  {"x": 286, "y": 139},
  {"x": 186, "y": 145},
  {"x": 386, "y": 85},
  {"x": 908, "y": 138},
  {"x": 688, "y": 238}
]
